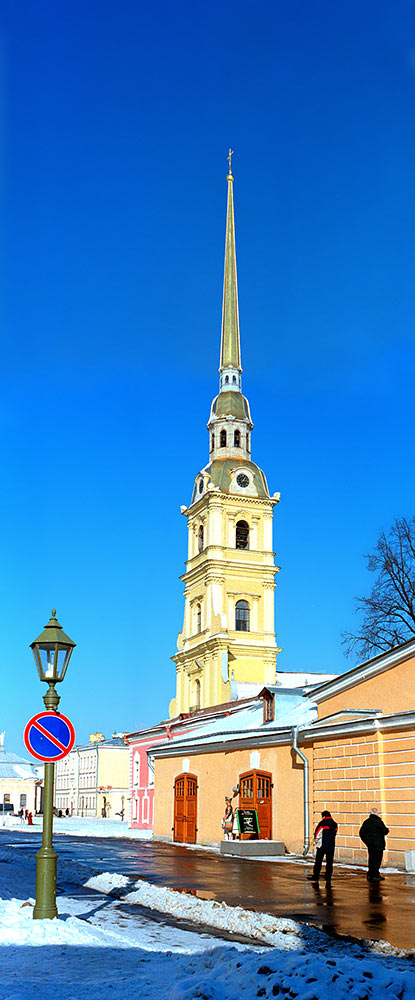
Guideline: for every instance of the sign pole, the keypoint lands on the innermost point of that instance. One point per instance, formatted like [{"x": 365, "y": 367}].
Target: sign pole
[
  {"x": 46, "y": 857},
  {"x": 48, "y": 736}
]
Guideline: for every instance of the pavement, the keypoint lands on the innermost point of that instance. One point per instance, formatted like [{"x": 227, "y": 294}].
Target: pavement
[{"x": 351, "y": 907}]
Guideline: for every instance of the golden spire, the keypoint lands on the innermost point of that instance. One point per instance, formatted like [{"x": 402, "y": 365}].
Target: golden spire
[{"x": 230, "y": 353}]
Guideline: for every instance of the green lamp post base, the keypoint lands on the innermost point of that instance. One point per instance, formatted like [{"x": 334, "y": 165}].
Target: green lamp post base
[{"x": 46, "y": 861}]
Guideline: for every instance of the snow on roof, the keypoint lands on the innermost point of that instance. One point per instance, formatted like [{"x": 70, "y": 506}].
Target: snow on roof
[
  {"x": 302, "y": 678},
  {"x": 291, "y": 709},
  {"x": 13, "y": 766}
]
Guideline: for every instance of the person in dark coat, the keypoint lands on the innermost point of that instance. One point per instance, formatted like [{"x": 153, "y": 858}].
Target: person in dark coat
[
  {"x": 325, "y": 840},
  {"x": 373, "y": 832}
]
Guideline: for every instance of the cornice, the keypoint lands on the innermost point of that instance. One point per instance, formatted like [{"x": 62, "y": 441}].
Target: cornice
[
  {"x": 217, "y": 498},
  {"x": 370, "y": 668}
]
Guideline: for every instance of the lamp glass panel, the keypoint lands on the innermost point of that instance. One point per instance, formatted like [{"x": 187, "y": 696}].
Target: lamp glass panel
[
  {"x": 47, "y": 659},
  {"x": 62, "y": 661}
]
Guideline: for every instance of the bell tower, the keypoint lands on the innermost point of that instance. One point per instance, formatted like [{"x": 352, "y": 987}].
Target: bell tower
[{"x": 227, "y": 648}]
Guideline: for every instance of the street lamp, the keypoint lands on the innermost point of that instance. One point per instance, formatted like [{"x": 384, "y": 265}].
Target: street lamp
[{"x": 52, "y": 651}]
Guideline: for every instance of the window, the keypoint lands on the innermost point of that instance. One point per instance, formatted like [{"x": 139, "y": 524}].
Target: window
[
  {"x": 237, "y": 439},
  {"x": 234, "y": 379},
  {"x": 136, "y": 770},
  {"x": 199, "y": 617},
  {"x": 247, "y": 443},
  {"x": 212, "y": 442},
  {"x": 23, "y": 801},
  {"x": 242, "y": 616},
  {"x": 197, "y": 694},
  {"x": 200, "y": 485},
  {"x": 200, "y": 538},
  {"x": 226, "y": 379},
  {"x": 223, "y": 439},
  {"x": 242, "y": 535},
  {"x": 269, "y": 707}
]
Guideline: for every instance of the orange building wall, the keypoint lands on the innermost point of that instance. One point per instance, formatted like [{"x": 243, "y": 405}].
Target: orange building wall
[
  {"x": 391, "y": 691},
  {"x": 217, "y": 774},
  {"x": 352, "y": 775}
]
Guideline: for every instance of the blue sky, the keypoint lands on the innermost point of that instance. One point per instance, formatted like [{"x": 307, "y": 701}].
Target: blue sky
[{"x": 115, "y": 120}]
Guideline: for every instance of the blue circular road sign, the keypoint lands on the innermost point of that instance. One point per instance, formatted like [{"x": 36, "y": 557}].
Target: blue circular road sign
[{"x": 49, "y": 736}]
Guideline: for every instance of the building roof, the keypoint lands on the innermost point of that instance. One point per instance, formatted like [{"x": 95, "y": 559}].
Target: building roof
[
  {"x": 16, "y": 768},
  {"x": 245, "y": 723},
  {"x": 230, "y": 404},
  {"x": 220, "y": 475},
  {"x": 113, "y": 743}
]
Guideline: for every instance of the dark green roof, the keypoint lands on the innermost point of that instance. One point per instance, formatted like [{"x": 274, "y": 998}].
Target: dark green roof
[
  {"x": 230, "y": 404},
  {"x": 219, "y": 475}
]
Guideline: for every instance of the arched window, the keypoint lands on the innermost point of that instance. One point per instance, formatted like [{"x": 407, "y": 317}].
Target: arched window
[
  {"x": 223, "y": 439},
  {"x": 242, "y": 616},
  {"x": 212, "y": 442},
  {"x": 247, "y": 443},
  {"x": 237, "y": 439},
  {"x": 199, "y": 617},
  {"x": 226, "y": 379},
  {"x": 136, "y": 777},
  {"x": 234, "y": 379},
  {"x": 242, "y": 535},
  {"x": 197, "y": 694},
  {"x": 200, "y": 538}
]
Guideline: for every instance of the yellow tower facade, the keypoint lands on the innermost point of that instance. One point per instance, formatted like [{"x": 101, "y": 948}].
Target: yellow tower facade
[{"x": 227, "y": 648}]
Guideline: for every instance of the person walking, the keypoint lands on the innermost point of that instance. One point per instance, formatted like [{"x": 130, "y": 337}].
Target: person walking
[
  {"x": 373, "y": 832},
  {"x": 325, "y": 841}
]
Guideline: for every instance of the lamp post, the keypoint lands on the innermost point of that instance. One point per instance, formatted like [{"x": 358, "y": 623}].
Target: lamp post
[{"x": 52, "y": 651}]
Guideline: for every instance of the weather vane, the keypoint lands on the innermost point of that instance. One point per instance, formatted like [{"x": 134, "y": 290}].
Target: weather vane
[{"x": 230, "y": 155}]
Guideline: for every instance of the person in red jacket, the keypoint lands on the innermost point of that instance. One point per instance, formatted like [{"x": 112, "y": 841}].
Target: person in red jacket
[{"x": 325, "y": 841}]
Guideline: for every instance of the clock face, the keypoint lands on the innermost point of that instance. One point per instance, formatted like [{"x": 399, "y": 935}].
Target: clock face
[{"x": 242, "y": 480}]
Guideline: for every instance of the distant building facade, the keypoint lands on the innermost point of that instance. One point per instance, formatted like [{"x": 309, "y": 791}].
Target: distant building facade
[
  {"x": 93, "y": 780},
  {"x": 20, "y": 783}
]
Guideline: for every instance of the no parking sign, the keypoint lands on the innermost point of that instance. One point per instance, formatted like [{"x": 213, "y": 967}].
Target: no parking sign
[{"x": 49, "y": 736}]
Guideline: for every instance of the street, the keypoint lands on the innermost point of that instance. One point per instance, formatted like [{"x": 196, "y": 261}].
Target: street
[{"x": 280, "y": 888}]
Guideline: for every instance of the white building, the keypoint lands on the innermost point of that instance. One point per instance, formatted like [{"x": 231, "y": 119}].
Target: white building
[{"x": 93, "y": 780}]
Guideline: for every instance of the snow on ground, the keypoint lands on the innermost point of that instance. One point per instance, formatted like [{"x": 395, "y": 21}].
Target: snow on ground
[
  {"x": 77, "y": 826},
  {"x": 266, "y": 929},
  {"x": 119, "y": 938}
]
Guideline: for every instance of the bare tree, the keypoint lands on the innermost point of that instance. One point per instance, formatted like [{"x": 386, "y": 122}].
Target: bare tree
[{"x": 388, "y": 614}]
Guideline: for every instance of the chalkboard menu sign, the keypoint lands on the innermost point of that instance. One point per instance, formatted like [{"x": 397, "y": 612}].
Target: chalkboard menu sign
[{"x": 248, "y": 823}]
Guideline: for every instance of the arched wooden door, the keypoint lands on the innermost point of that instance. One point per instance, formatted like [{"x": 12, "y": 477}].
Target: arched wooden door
[
  {"x": 185, "y": 809},
  {"x": 256, "y": 793}
]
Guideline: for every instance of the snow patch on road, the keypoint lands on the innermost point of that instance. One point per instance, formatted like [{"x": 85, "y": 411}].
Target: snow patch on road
[{"x": 107, "y": 881}]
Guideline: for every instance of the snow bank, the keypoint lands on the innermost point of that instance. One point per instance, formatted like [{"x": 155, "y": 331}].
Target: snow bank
[
  {"x": 275, "y": 931},
  {"x": 107, "y": 881}
]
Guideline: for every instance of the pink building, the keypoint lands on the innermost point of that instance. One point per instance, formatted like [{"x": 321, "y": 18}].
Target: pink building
[{"x": 141, "y": 764}]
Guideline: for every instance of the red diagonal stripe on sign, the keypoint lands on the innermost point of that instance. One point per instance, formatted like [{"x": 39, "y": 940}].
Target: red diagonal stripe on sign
[{"x": 53, "y": 739}]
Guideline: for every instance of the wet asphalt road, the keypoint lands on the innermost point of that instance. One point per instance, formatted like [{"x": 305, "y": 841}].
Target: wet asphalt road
[{"x": 351, "y": 907}]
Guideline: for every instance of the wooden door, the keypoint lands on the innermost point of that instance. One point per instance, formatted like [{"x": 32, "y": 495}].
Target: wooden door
[
  {"x": 185, "y": 809},
  {"x": 256, "y": 793}
]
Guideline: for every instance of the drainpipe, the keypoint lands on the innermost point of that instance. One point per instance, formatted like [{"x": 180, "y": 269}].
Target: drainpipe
[{"x": 306, "y": 815}]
